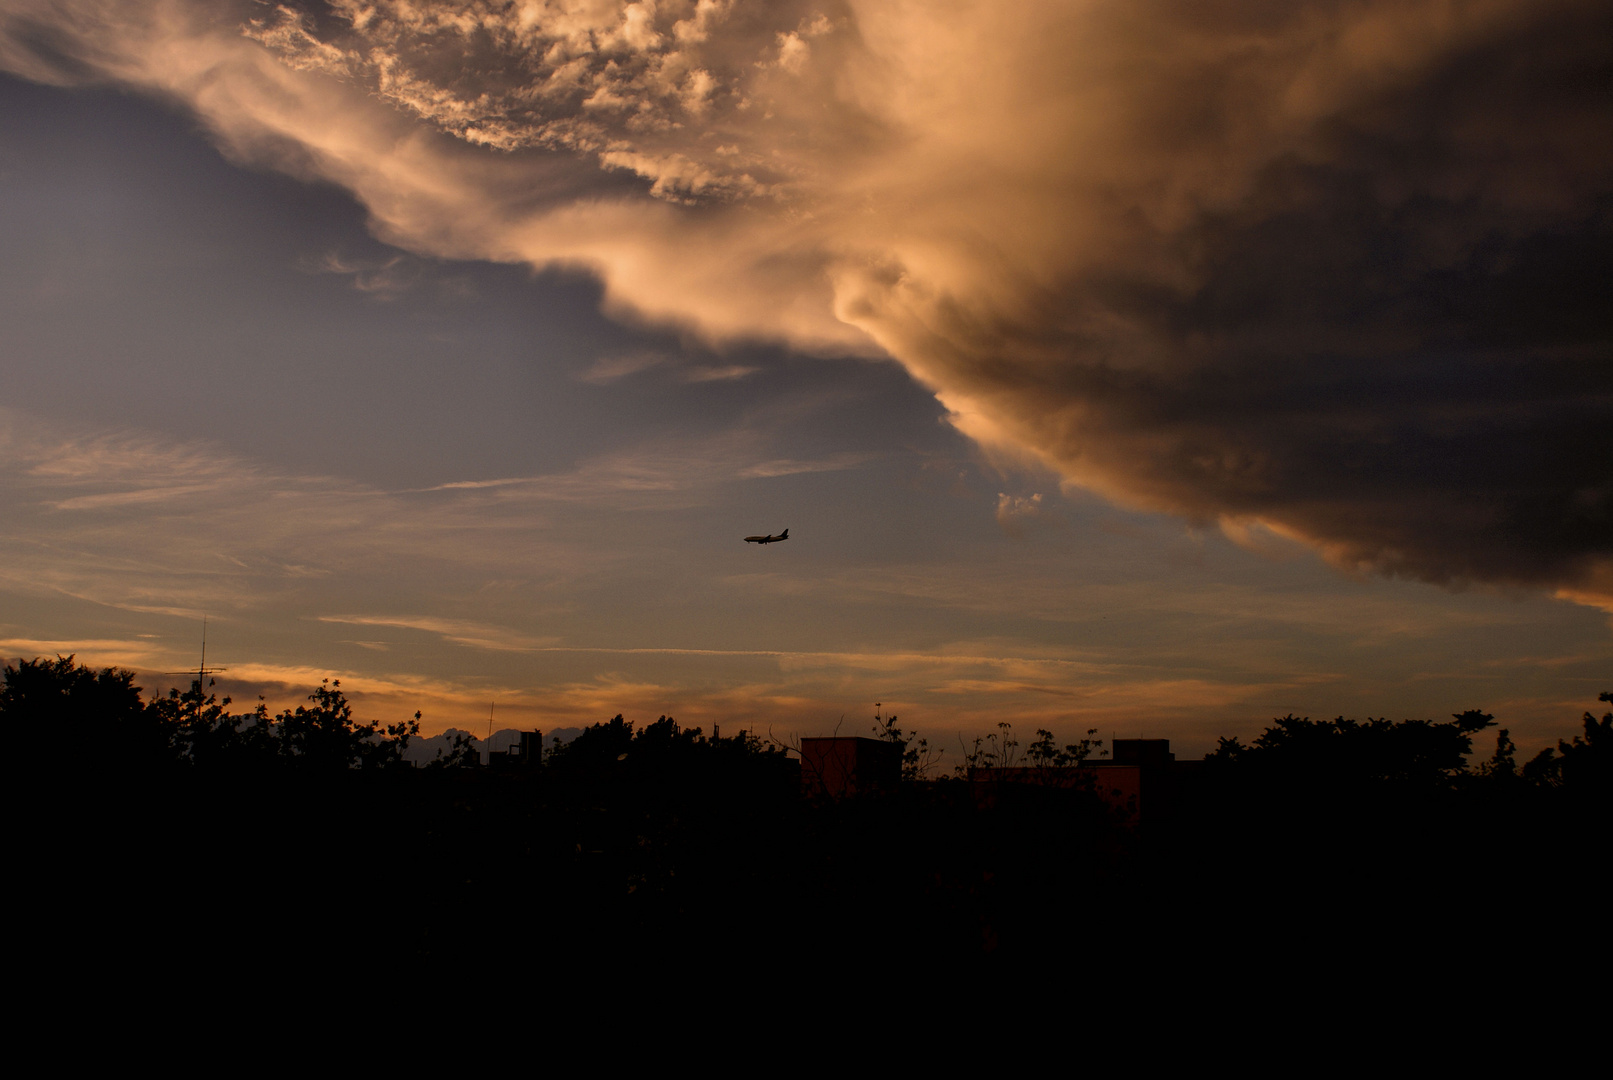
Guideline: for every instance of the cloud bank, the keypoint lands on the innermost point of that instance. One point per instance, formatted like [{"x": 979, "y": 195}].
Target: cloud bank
[{"x": 1335, "y": 270}]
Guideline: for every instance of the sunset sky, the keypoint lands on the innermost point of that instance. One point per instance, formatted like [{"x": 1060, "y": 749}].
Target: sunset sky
[{"x": 1153, "y": 366}]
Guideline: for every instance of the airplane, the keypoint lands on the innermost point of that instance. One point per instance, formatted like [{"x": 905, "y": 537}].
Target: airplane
[{"x": 785, "y": 535}]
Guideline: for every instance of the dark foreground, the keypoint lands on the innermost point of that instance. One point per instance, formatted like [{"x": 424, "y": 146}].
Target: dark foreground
[{"x": 665, "y": 850}]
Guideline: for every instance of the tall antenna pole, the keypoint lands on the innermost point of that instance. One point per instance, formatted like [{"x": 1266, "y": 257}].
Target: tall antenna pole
[{"x": 202, "y": 670}]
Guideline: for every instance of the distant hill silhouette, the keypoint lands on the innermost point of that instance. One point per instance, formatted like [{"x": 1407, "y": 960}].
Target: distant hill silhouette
[{"x": 425, "y": 751}]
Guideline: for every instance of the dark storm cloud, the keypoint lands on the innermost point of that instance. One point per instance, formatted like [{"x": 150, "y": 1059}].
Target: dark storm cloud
[
  {"x": 1393, "y": 337},
  {"x": 1415, "y": 401},
  {"x": 1339, "y": 269}
]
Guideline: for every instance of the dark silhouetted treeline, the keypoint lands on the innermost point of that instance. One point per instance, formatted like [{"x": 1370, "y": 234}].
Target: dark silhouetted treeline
[
  {"x": 194, "y": 728},
  {"x": 280, "y": 839}
]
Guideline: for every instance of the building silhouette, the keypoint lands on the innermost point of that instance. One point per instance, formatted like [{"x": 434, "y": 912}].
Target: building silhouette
[{"x": 839, "y": 767}]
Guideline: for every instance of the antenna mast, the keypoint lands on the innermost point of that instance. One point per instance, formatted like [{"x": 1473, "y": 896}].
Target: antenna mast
[{"x": 202, "y": 670}]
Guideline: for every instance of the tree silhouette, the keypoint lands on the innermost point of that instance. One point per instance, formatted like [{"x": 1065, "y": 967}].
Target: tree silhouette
[
  {"x": 1588, "y": 760},
  {"x": 999, "y": 750},
  {"x": 1340, "y": 753},
  {"x": 1584, "y": 765},
  {"x": 327, "y": 736},
  {"x": 461, "y": 750},
  {"x": 628, "y": 837},
  {"x": 917, "y": 757},
  {"x": 205, "y": 733},
  {"x": 99, "y": 713},
  {"x": 1045, "y": 755}
]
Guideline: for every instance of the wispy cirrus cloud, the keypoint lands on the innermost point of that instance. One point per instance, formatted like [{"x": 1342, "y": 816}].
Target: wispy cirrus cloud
[
  {"x": 609, "y": 369},
  {"x": 718, "y": 372},
  {"x": 792, "y": 467},
  {"x": 147, "y": 523},
  {"x": 96, "y": 652},
  {"x": 458, "y": 631},
  {"x": 159, "y": 529}
]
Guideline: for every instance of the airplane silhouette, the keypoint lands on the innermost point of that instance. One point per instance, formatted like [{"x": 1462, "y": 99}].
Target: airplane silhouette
[{"x": 785, "y": 535}]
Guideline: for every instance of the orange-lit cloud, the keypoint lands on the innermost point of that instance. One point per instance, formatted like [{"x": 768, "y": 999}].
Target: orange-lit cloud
[{"x": 1330, "y": 271}]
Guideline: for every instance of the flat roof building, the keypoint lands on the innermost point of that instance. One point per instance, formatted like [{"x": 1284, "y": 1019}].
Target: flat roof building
[{"x": 838, "y": 767}]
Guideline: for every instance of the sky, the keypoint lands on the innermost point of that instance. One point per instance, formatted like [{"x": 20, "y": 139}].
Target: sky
[{"x": 1156, "y": 367}]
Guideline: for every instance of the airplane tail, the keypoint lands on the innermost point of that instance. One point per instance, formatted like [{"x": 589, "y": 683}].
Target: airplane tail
[{"x": 785, "y": 535}]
